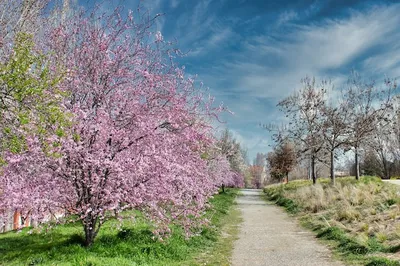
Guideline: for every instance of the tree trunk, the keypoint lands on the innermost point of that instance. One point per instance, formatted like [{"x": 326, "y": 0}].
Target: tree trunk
[
  {"x": 313, "y": 176},
  {"x": 357, "y": 164},
  {"x": 386, "y": 169},
  {"x": 333, "y": 167},
  {"x": 287, "y": 177},
  {"x": 16, "y": 220},
  {"x": 90, "y": 230},
  {"x": 223, "y": 188}
]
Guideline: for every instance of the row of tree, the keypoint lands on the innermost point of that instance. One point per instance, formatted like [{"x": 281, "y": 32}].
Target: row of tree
[
  {"x": 382, "y": 155},
  {"x": 97, "y": 118},
  {"x": 251, "y": 175},
  {"x": 229, "y": 149},
  {"x": 321, "y": 120}
]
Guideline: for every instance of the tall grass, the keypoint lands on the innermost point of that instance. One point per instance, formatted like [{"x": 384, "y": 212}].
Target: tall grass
[
  {"x": 360, "y": 217},
  {"x": 132, "y": 245}
]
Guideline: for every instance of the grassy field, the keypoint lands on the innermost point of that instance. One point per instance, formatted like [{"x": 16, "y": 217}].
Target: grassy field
[
  {"x": 360, "y": 220},
  {"x": 133, "y": 245}
]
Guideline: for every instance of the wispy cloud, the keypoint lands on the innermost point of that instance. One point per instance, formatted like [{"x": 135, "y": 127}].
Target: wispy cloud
[
  {"x": 313, "y": 8},
  {"x": 212, "y": 42},
  {"x": 286, "y": 16},
  {"x": 200, "y": 11},
  {"x": 272, "y": 66},
  {"x": 254, "y": 53},
  {"x": 174, "y": 3}
]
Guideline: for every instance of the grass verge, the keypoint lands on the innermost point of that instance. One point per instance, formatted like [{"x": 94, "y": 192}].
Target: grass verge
[
  {"x": 220, "y": 253},
  {"x": 133, "y": 245},
  {"x": 361, "y": 220}
]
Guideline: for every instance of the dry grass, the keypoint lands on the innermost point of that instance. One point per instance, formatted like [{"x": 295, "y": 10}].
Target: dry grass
[
  {"x": 368, "y": 211},
  {"x": 371, "y": 207}
]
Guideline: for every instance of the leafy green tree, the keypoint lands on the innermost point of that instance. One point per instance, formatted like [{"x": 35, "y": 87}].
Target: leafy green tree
[{"x": 30, "y": 103}]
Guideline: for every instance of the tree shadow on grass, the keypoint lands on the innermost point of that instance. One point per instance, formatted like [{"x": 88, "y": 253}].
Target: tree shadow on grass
[
  {"x": 24, "y": 247},
  {"x": 136, "y": 244}
]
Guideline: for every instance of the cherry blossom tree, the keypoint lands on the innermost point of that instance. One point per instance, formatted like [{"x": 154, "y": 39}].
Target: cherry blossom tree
[
  {"x": 222, "y": 174},
  {"x": 138, "y": 131},
  {"x": 228, "y": 147}
]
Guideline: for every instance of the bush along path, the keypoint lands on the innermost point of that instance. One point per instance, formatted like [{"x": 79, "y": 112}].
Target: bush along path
[
  {"x": 359, "y": 219},
  {"x": 269, "y": 237}
]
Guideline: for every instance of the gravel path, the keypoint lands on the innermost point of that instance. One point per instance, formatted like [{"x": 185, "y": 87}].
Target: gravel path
[
  {"x": 269, "y": 237},
  {"x": 396, "y": 182}
]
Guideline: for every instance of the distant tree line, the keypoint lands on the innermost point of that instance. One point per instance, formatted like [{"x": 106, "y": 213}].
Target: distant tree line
[{"x": 323, "y": 122}]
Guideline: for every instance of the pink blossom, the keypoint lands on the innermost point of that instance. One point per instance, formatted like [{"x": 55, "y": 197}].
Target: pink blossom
[{"x": 137, "y": 137}]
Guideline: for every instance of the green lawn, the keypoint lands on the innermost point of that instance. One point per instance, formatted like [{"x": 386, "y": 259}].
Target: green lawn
[{"x": 134, "y": 245}]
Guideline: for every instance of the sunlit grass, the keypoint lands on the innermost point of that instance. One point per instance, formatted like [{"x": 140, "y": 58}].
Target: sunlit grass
[
  {"x": 132, "y": 245},
  {"x": 362, "y": 218}
]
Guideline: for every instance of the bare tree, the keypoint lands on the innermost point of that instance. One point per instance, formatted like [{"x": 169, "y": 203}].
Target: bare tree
[
  {"x": 304, "y": 109},
  {"x": 335, "y": 129},
  {"x": 21, "y": 16},
  {"x": 383, "y": 148},
  {"x": 235, "y": 154},
  {"x": 256, "y": 175},
  {"x": 369, "y": 108}
]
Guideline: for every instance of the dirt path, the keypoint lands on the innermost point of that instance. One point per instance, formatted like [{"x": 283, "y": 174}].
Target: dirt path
[
  {"x": 269, "y": 237},
  {"x": 396, "y": 182}
]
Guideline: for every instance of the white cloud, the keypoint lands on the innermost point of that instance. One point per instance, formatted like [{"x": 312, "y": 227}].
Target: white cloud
[
  {"x": 174, "y": 3},
  {"x": 271, "y": 67},
  {"x": 337, "y": 43},
  {"x": 212, "y": 42},
  {"x": 287, "y": 16},
  {"x": 255, "y": 143},
  {"x": 200, "y": 12},
  {"x": 386, "y": 62},
  {"x": 313, "y": 8}
]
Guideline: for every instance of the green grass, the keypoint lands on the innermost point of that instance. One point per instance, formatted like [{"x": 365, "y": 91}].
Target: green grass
[
  {"x": 220, "y": 253},
  {"x": 133, "y": 245},
  {"x": 358, "y": 219}
]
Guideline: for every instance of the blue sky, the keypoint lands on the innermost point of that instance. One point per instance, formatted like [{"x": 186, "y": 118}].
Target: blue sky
[{"x": 252, "y": 53}]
